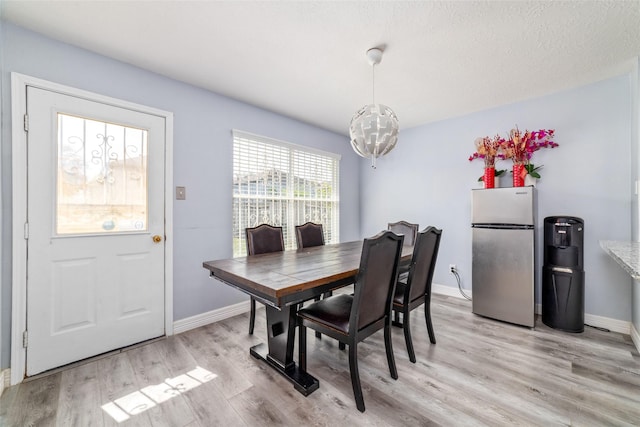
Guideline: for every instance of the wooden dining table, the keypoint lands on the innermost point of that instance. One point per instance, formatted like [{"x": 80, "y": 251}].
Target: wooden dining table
[{"x": 282, "y": 280}]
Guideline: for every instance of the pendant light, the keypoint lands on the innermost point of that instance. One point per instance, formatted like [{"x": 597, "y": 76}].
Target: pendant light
[{"x": 374, "y": 127}]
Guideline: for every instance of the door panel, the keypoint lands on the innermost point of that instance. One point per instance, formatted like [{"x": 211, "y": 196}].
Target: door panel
[
  {"x": 73, "y": 284},
  {"x": 95, "y": 196},
  {"x": 132, "y": 300}
]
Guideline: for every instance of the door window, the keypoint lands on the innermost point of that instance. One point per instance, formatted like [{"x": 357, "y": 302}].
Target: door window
[{"x": 101, "y": 177}]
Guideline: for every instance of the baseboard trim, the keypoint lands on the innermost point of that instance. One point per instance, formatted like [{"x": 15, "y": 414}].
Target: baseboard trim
[
  {"x": 212, "y": 316},
  {"x": 538, "y": 309},
  {"x": 5, "y": 380},
  {"x": 614, "y": 325},
  {"x": 449, "y": 291},
  {"x": 635, "y": 337}
]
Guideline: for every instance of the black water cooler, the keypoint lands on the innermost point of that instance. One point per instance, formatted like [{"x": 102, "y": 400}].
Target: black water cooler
[{"x": 563, "y": 273}]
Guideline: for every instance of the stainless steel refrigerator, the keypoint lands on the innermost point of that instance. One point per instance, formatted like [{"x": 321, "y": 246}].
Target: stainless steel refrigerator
[{"x": 503, "y": 254}]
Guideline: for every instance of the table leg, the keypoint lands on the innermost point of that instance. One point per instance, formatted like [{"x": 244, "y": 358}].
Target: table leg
[{"x": 281, "y": 331}]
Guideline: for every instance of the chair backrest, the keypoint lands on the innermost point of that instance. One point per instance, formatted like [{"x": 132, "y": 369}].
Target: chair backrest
[
  {"x": 264, "y": 239},
  {"x": 410, "y": 231},
  {"x": 376, "y": 279},
  {"x": 423, "y": 263},
  {"x": 309, "y": 235}
]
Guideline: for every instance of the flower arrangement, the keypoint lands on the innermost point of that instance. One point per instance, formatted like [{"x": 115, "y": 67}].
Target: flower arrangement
[
  {"x": 521, "y": 146},
  {"x": 488, "y": 149}
]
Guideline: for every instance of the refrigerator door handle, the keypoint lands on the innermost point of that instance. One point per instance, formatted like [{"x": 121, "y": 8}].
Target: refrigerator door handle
[{"x": 504, "y": 226}]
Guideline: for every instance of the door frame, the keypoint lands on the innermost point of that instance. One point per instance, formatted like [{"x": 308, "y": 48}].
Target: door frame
[{"x": 19, "y": 83}]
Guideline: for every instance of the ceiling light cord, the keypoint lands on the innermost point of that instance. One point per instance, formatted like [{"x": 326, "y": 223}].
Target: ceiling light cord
[{"x": 373, "y": 84}]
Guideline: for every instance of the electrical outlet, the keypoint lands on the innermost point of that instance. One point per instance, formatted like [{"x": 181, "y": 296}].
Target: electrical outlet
[{"x": 452, "y": 268}]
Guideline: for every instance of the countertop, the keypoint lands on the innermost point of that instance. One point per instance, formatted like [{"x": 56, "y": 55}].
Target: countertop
[{"x": 627, "y": 254}]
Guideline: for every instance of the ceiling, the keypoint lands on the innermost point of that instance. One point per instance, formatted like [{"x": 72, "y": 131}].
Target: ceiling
[{"x": 306, "y": 59}]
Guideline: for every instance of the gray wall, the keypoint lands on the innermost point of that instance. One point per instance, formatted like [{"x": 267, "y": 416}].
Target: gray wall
[
  {"x": 588, "y": 176},
  {"x": 202, "y": 159}
]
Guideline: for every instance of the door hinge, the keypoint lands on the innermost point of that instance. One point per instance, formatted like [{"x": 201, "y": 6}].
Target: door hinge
[
  {"x": 25, "y": 339},
  {"x": 26, "y": 231},
  {"x": 26, "y": 123}
]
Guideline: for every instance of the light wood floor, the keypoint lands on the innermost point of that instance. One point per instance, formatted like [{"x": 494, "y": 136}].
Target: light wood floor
[{"x": 480, "y": 372}]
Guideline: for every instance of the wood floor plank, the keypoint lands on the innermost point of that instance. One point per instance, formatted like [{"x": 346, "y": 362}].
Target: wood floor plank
[
  {"x": 256, "y": 409},
  {"x": 6, "y": 401},
  {"x": 481, "y": 372},
  {"x": 202, "y": 388},
  {"x": 35, "y": 402},
  {"x": 79, "y": 403},
  {"x": 230, "y": 377},
  {"x": 211, "y": 408},
  {"x": 117, "y": 381},
  {"x": 158, "y": 396}
]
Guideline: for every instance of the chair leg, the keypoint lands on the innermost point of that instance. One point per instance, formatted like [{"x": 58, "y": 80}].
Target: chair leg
[
  {"x": 318, "y": 334},
  {"x": 355, "y": 376},
  {"x": 396, "y": 318},
  {"x": 427, "y": 316},
  {"x": 325, "y": 295},
  {"x": 302, "y": 347},
  {"x": 389, "y": 347},
  {"x": 252, "y": 316},
  {"x": 407, "y": 336}
]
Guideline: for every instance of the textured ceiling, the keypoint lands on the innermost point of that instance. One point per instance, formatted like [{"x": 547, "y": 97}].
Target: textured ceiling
[{"x": 307, "y": 59}]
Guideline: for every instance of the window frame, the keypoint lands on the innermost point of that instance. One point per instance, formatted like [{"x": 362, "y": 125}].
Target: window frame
[{"x": 288, "y": 204}]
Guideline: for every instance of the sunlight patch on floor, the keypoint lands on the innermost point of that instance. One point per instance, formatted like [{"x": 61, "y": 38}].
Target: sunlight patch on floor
[{"x": 123, "y": 408}]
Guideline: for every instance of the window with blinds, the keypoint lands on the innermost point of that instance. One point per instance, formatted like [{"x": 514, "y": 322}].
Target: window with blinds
[{"x": 282, "y": 184}]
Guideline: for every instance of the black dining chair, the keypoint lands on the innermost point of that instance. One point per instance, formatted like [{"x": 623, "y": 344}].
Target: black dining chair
[
  {"x": 352, "y": 318},
  {"x": 309, "y": 235},
  {"x": 262, "y": 239},
  {"x": 409, "y": 230},
  {"x": 416, "y": 289}
]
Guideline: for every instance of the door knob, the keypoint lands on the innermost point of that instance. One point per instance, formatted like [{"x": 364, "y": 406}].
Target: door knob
[{"x": 157, "y": 239}]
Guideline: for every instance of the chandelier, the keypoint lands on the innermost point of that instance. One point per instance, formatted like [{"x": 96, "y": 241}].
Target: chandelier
[{"x": 374, "y": 127}]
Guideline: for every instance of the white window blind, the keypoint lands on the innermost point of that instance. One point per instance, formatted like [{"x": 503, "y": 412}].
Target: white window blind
[{"x": 282, "y": 184}]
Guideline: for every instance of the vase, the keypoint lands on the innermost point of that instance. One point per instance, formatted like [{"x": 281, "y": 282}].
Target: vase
[
  {"x": 518, "y": 180},
  {"x": 489, "y": 177}
]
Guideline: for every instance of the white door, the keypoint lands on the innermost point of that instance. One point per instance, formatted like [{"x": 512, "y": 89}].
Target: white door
[{"x": 95, "y": 209}]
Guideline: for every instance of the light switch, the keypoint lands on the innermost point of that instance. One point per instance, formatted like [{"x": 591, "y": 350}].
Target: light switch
[{"x": 181, "y": 193}]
